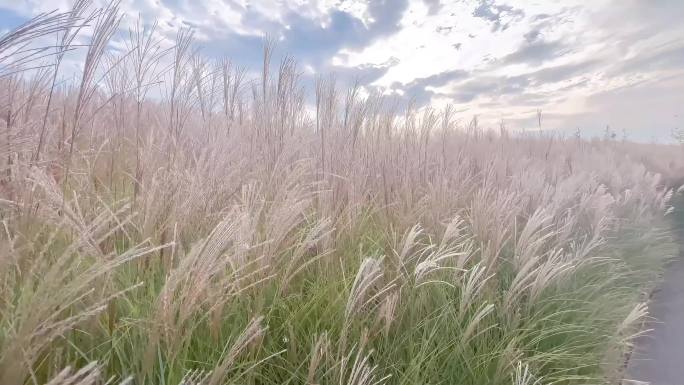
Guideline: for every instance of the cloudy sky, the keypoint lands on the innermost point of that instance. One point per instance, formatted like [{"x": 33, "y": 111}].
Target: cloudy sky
[{"x": 585, "y": 64}]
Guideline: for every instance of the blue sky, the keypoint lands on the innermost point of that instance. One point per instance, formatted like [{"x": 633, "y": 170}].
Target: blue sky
[{"x": 586, "y": 64}]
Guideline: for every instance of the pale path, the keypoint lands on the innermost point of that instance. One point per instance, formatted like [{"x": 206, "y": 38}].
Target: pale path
[{"x": 658, "y": 358}]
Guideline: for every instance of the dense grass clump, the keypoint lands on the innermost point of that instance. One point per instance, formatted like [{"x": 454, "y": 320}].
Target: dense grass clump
[{"x": 219, "y": 232}]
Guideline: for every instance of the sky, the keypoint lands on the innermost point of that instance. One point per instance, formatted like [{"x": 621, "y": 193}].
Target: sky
[{"x": 585, "y": 64}]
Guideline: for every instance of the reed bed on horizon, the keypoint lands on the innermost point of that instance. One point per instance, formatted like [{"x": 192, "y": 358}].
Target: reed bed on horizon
[{"x": 168, "y": 220}]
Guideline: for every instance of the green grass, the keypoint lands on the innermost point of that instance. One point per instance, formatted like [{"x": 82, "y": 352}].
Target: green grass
[{"x": 562, "y": 335}]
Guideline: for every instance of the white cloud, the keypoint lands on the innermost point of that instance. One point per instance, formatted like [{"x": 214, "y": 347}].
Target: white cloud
[{"x": 496, "y": 58}]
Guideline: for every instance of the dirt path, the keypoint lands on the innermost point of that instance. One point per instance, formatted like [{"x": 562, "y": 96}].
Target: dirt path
[{"x": 658, "y": 358}]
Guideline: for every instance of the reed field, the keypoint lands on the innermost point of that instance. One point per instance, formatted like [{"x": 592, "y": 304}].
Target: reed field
[{"x": 170, "y": 219}]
